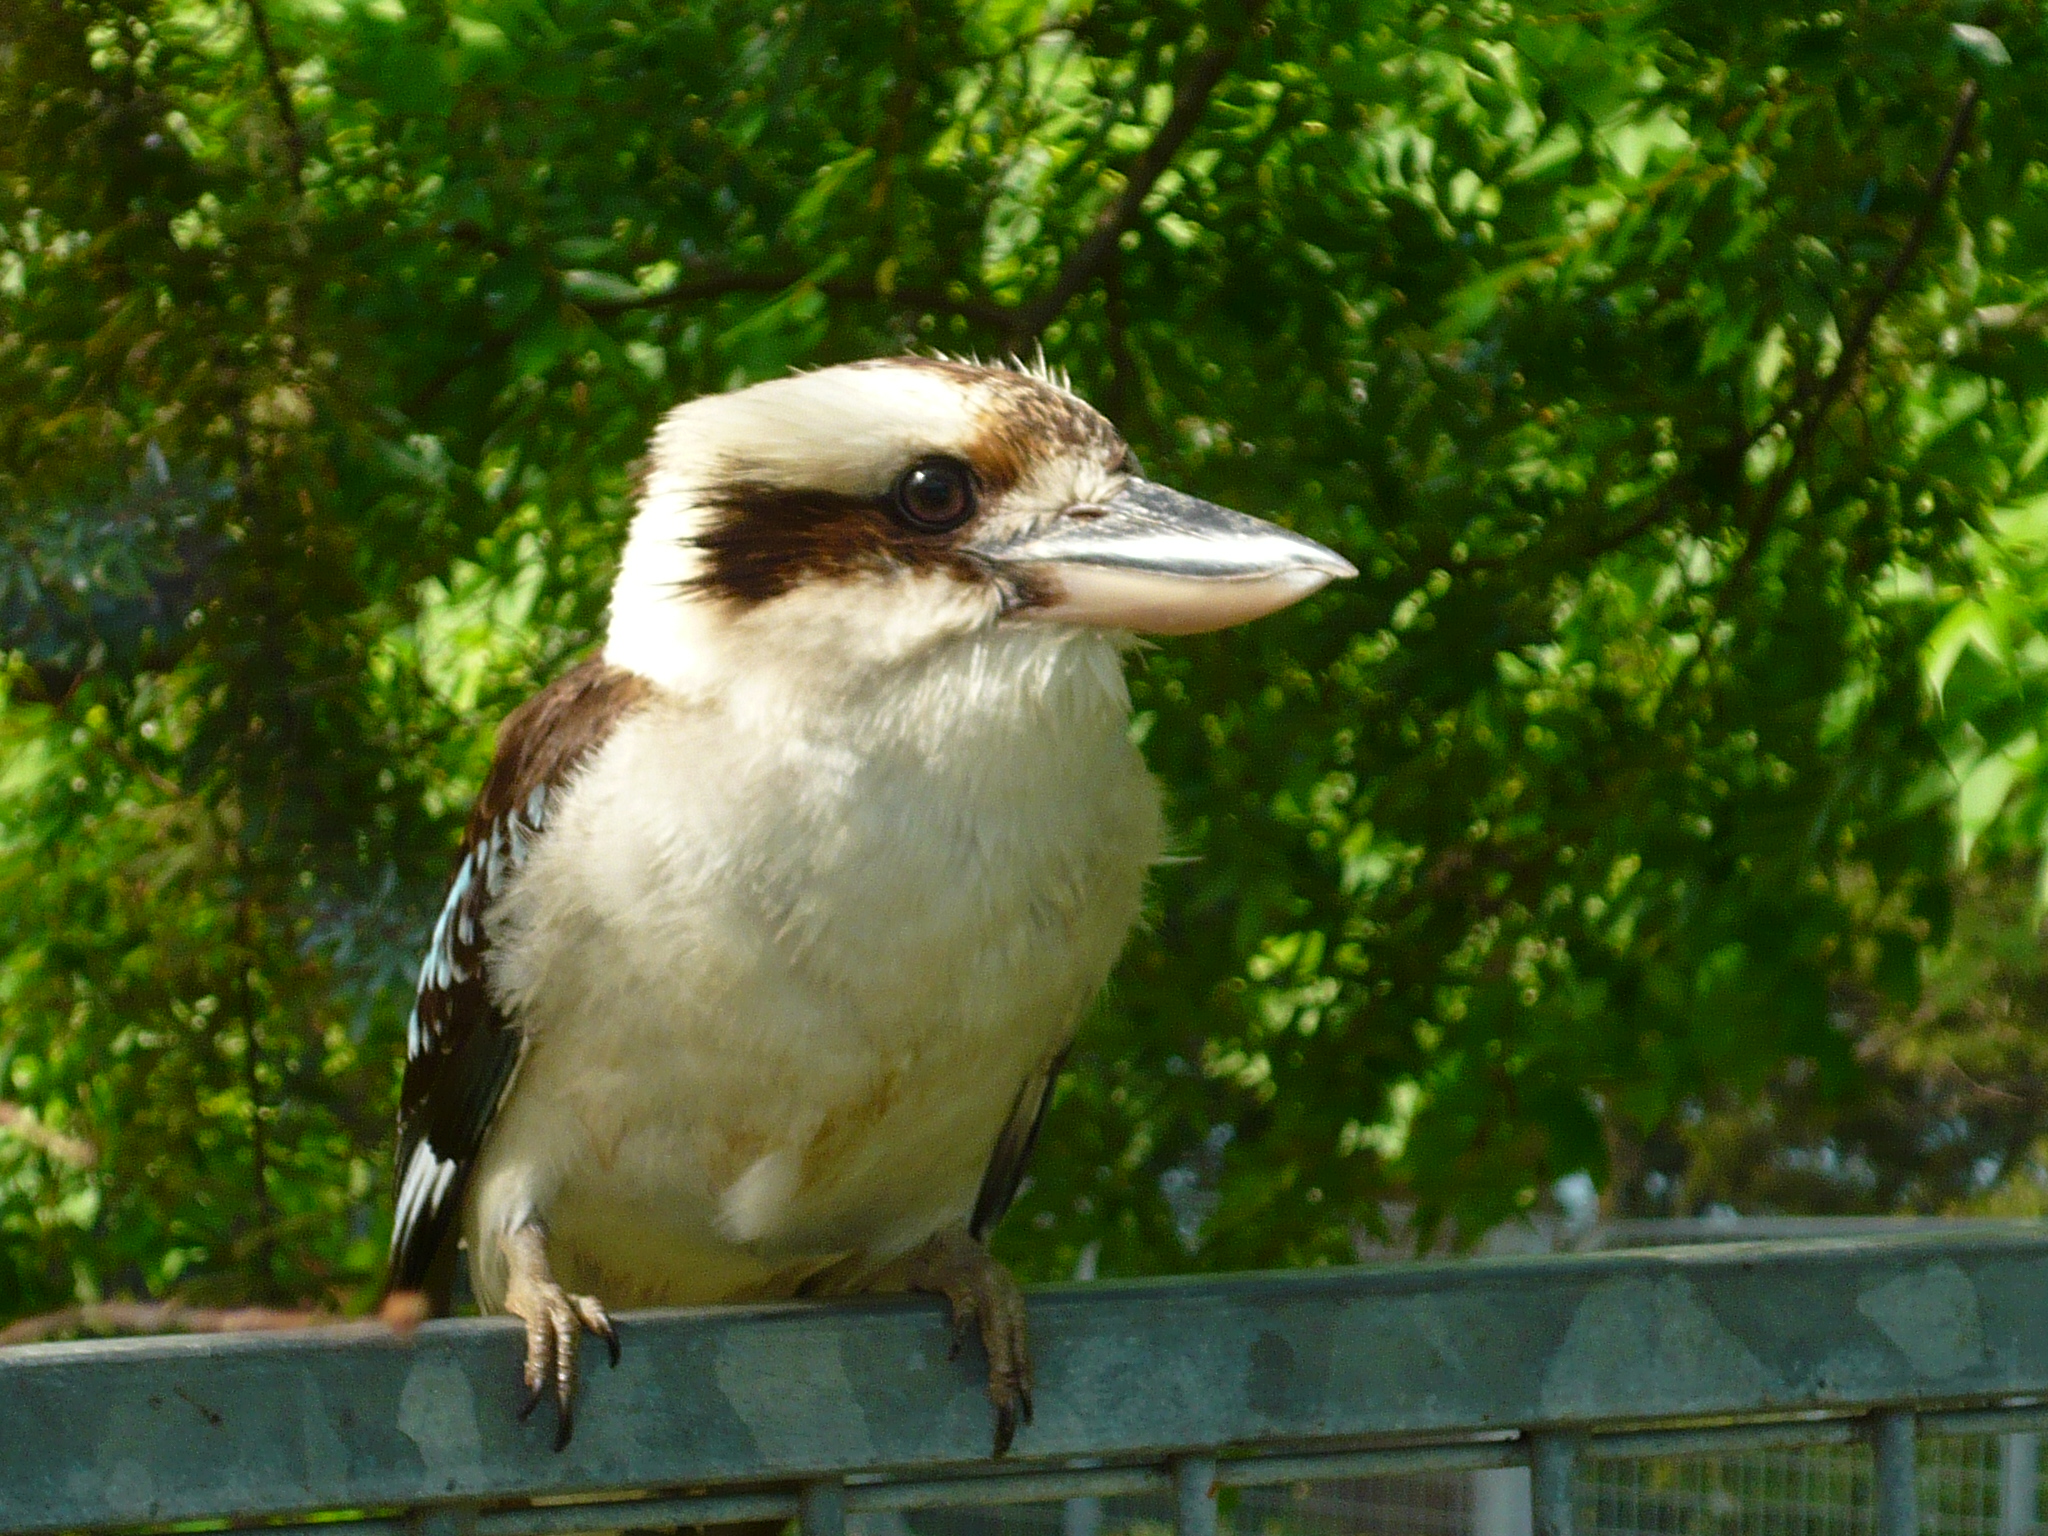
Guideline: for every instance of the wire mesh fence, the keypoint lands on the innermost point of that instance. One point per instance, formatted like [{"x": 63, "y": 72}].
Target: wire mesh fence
[
  {"x": 1976, "y": 1486},
  {"x": 1969, "y": 1486}
]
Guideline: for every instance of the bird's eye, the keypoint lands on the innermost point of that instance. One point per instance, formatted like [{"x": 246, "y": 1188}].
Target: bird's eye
[{"x": 936, "y": 494}]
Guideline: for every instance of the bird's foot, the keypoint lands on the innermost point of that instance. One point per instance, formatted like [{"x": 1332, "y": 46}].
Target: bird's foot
[
  {"x": 979, "y": 1290},
  {"x": 554, "y": 1318}
]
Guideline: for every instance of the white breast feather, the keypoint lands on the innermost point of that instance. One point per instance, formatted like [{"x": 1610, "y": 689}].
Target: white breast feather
[{"x": 783, "y": 972}]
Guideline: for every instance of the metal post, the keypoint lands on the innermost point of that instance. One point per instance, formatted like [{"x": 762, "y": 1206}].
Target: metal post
[
  {"x": 1194, "y": 1496},
  {"x": 1553, "y": 1484},
  {"x": 1083, "y": 1517},
  {"x": 1898, "y": 1495},
  {"x": 2019, "y": 1484},
  {"x": 1500, "y": 1502},
  {"x": 821, "y": 1508}
]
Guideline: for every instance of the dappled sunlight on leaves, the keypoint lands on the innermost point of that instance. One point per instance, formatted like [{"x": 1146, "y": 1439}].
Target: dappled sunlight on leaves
[{"x": 1675, "y": 378}]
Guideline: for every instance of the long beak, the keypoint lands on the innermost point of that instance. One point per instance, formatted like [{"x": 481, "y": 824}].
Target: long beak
[{"x": 1154, "y": 560}]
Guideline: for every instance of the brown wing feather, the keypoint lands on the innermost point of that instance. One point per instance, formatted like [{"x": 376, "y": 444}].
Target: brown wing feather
[{"x": 461, "y": 1049}]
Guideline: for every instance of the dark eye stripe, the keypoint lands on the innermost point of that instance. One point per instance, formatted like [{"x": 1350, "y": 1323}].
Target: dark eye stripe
[{"x": 762, "y": 541}]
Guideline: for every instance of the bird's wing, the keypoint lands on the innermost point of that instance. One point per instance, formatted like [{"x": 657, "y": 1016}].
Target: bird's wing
[
  {"x": 1013, "y": 1147},
  {"x": 460, "y": 1048}
]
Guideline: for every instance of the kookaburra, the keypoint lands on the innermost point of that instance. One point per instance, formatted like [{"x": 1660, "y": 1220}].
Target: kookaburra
[{"x": 774, "y": 920}]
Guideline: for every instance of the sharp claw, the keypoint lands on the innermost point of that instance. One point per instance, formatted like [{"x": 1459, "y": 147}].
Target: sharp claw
[
  {"x": 551, "y": 1361},
  {"x": 555, "y": 1321},
  {"x": 984, "y": 1301}
]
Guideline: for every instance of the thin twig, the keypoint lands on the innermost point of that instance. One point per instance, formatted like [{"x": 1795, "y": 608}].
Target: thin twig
[
  {"x": 169, "y": 788},
  {"x": 448, "y": 373},
  {"x": 280, "y": 92},
  {"x": 1594, "y": 549},
  {"x": 1190, "y": 102}
]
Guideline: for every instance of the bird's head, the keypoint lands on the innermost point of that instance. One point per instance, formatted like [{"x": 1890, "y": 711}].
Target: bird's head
[{"x": 869, "y": 511}]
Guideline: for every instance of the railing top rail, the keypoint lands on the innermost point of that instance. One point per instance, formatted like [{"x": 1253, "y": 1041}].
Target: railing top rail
[{"x": 125, "y": 1432}]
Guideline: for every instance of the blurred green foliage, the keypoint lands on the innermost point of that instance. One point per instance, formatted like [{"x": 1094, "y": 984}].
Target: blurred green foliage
[{"x": 1674, "y": 373}]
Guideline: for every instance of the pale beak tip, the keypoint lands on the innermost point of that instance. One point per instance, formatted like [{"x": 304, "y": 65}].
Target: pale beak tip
[
  {"x": 1306, "y": 581},
  {"x": 1313, "y": 555}
]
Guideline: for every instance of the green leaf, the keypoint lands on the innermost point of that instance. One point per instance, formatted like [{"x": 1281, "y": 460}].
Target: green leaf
[
  {"x": 1967, "y": 625},
  {"x": 604, "y": 287}
]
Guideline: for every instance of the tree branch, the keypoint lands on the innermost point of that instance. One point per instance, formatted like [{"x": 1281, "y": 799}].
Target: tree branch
[
  {"x": 1856, "y": 343},
  {"x": 294, "y": 141},
  {"x": 1190, "y": 101},
  {"x": 1018, "y": 323},
  {"x": 157, "y": 1317},
  {"x": 401, "y": 1313}
]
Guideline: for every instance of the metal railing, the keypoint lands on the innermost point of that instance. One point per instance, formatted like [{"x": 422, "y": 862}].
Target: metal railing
[{"x": 1176, "y": 1388}]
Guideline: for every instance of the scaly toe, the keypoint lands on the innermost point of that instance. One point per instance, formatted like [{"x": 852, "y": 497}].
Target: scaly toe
[
  {"x": 965, "y": 1316},
  {"x": 981, "y": 1292},
  {"x": 554, "y": 1322},
  {"x": 539, "y": 1363}
]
